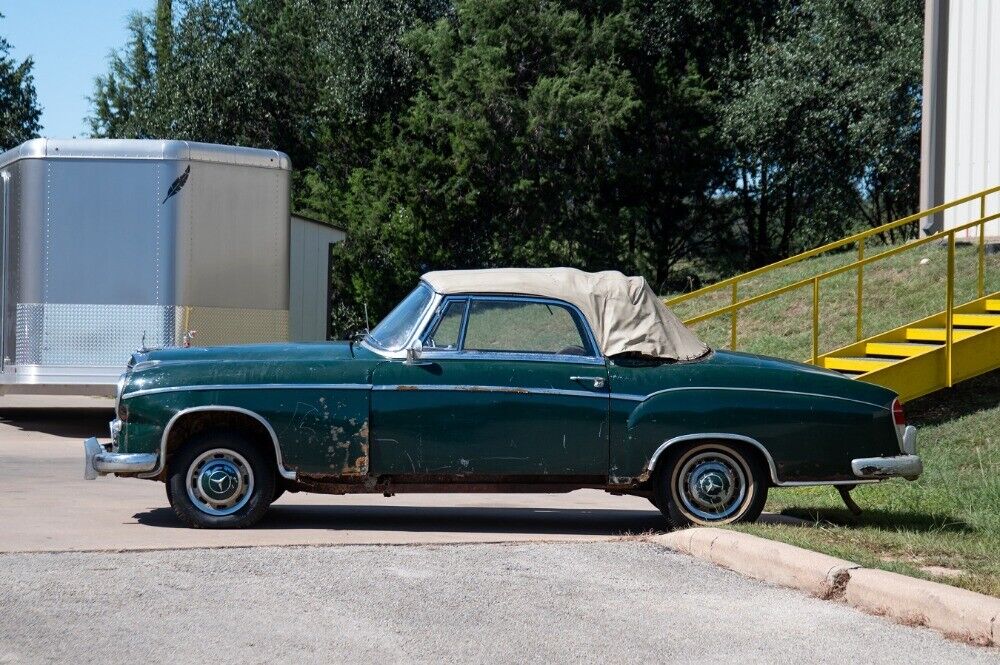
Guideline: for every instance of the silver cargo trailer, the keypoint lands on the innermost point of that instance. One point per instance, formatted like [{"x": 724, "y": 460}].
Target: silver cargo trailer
[{"x": 109, "y": 245}]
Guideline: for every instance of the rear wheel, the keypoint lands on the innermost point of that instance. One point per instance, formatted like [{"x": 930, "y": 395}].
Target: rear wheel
[
  {"x": 220, "y": 481},
  {"x": 711, "y": 483}
]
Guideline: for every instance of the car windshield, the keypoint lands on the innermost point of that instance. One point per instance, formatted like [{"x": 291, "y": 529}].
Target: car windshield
[{"x": 392, "y": 332}]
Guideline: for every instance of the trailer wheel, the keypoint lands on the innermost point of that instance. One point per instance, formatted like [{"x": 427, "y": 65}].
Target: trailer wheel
[{"x": 218, "y": 480}]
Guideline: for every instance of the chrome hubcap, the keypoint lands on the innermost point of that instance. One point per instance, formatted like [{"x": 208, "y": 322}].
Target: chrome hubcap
[
  {"x": 220, "y": 482},
  {"x": 712, "y": 485}
]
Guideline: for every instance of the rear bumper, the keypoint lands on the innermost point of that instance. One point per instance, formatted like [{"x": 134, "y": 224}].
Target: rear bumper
[
  {"x": 901, "y": 466},
  {"x": 98, "y": 460}
]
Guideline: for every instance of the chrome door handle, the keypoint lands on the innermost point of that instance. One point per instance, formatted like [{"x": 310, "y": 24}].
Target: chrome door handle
[{"x": 597, "y": 381}]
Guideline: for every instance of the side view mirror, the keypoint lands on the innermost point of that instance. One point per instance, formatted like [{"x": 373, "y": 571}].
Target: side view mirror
[{"x": 413, "y": 353}]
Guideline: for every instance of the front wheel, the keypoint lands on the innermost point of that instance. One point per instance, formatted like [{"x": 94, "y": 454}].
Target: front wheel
[
  {"x": 220, "y": 481},
  {"x": 711, "y": 483}
]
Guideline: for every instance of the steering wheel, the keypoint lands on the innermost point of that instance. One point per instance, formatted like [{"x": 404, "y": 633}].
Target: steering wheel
[{"x": 573, "y": 350}]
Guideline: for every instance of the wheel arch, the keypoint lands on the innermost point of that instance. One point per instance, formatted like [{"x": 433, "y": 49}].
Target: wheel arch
[
  {"x": 198, "y": 418},
  {"x": 756, "y": 445}
]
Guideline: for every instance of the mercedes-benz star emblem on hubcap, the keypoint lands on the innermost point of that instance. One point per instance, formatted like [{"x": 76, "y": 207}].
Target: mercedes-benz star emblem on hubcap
[
  {"x": 710, "y": 485},
  {"x": 221, "y": 481}
]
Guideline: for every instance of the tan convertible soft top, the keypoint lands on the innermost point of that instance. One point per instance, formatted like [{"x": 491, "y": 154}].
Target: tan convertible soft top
[{"x": 624, "y": 313}]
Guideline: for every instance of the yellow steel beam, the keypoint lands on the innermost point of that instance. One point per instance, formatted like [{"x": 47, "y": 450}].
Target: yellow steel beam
[
  {"x": 977, "y": 320},
  {"x": 856, "y": 364},
  {"x": 937, "y": 334},
  {"x": 898, "y": 349}
]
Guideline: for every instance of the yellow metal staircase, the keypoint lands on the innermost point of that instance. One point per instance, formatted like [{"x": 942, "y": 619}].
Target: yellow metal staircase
[{"x": 925, "y": 355}]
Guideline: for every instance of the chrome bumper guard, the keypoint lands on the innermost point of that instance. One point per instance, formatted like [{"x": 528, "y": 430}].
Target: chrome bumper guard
[
  {"x": 901, "y": 466},
  {"x": 100, "y": 461}
]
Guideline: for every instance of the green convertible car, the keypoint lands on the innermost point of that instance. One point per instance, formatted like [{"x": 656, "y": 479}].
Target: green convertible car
[{"x": 525, "y": 380}]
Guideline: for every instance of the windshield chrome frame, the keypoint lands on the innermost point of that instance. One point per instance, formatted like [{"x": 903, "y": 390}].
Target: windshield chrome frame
[{"x": 428, "y": 313}]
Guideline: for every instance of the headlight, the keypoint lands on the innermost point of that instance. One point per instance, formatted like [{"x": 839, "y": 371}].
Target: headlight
[{"x": 118, "y": 395}]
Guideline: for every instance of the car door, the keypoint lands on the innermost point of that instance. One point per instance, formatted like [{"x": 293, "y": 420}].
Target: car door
[{"x": 505, "y": 386}]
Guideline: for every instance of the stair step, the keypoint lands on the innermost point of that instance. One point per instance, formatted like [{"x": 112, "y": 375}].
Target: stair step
[
  {"x": 978, "y": 320},
  {"x": 937, "y": 334},
  {"x": 856, "y": 365},
  {"x": 898, "y": 349},
  {"x": 993, "y": 305}
]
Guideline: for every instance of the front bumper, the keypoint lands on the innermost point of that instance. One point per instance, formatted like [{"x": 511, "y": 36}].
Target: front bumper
[{"x": 98, "y": 460}]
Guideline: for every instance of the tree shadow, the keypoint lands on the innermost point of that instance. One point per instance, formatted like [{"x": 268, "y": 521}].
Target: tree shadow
[
  {"x": 883, "y": 519},
  {"x": 965, "y": 398}
]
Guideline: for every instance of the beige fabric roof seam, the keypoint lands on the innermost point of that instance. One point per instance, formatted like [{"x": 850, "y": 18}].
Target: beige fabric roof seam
[{"x": 623, "y": 312}]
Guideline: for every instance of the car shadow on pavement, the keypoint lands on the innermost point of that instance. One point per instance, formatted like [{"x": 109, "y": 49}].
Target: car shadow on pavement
[
  {"x": 553, "y": 521},
  {"x": 79, "y": 423},
  {"x": 888, "y": 520}
]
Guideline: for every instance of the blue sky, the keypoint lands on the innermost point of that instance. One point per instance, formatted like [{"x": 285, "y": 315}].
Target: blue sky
[{"x": 70, "y": 41}]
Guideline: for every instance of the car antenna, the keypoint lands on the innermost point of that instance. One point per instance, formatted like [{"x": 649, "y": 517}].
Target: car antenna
[{"x": 367, "y": 327}]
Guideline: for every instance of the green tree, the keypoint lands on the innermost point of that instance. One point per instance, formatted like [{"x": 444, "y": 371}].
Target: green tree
[
  {"x": 502, "y": 155},
  {"x": 823, "y": 114},
  {"x": 124, "y": 101},
  {"x": 19, "y": 110},
  {"x": 367, "y": 76},
  {"x": 163, "y": 38}
]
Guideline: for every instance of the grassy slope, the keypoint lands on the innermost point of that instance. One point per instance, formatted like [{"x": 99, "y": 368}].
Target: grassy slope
[{"x": 949, "y": 518}]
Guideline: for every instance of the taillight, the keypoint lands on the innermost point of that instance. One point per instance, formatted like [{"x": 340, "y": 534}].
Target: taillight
[{"x": 898, "y": 417}]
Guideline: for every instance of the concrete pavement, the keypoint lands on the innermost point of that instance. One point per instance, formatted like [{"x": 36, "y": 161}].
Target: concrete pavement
[{"x": 530, "y": 602}]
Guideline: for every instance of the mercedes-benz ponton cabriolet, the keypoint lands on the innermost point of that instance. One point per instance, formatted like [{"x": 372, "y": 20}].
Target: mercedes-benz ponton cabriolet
[{"x": 519, "y": 380}]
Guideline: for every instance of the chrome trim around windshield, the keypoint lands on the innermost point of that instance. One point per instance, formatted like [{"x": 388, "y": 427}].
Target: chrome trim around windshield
[
  {"x": 643, "y": 398},
  {"x": 250, "y": 386},
  {"x": 287, "y": 474},
  {"x": 513, "y": 390},
  {"x": 425, "y": 316}
]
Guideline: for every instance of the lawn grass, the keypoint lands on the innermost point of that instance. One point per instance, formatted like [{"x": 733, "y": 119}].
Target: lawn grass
[{"x": 945, "y": 526}]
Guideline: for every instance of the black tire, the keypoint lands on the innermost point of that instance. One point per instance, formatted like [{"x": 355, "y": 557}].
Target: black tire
[
  {"x": 279, "y": 489},
  {"x": 226, "y": 463},
  {"x": 694, "y": 475}
]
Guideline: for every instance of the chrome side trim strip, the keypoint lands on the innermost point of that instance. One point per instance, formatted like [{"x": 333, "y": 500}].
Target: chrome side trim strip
[
  {"x": 754, "y": 442},
  {"x": 514, "y": 390},
  {"x": 285, "y": 473},
  {"x": 642, "y": 398},
  {"x": 251, "y": 386}
]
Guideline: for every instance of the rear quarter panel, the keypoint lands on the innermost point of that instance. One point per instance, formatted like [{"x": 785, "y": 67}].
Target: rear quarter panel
[{"x": 811, "y": 423}]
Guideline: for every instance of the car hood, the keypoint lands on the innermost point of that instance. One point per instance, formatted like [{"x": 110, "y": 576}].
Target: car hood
[
  {"x": 275, "y": 352},
  {"x": 284, "y": 363}
]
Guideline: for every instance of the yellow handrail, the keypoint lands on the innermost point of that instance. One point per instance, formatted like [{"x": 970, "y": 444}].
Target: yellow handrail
[
  {"x": 838, "y": 270},
  {"x": 849, "y": 240},
  {"x": 736, "y": 305}
]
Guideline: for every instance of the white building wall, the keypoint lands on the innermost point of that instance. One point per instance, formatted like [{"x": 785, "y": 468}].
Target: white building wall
[
  {"x": 309, "y": 278},
  {"x": 972, "y": 117}
]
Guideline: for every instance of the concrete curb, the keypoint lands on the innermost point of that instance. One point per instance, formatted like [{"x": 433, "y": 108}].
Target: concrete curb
[{"x": 956, "y": 612}]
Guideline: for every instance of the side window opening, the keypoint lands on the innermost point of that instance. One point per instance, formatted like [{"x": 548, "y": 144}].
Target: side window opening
[
  {"x": 523, "y": 326},
  {"x": 448, "y": 331}
]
